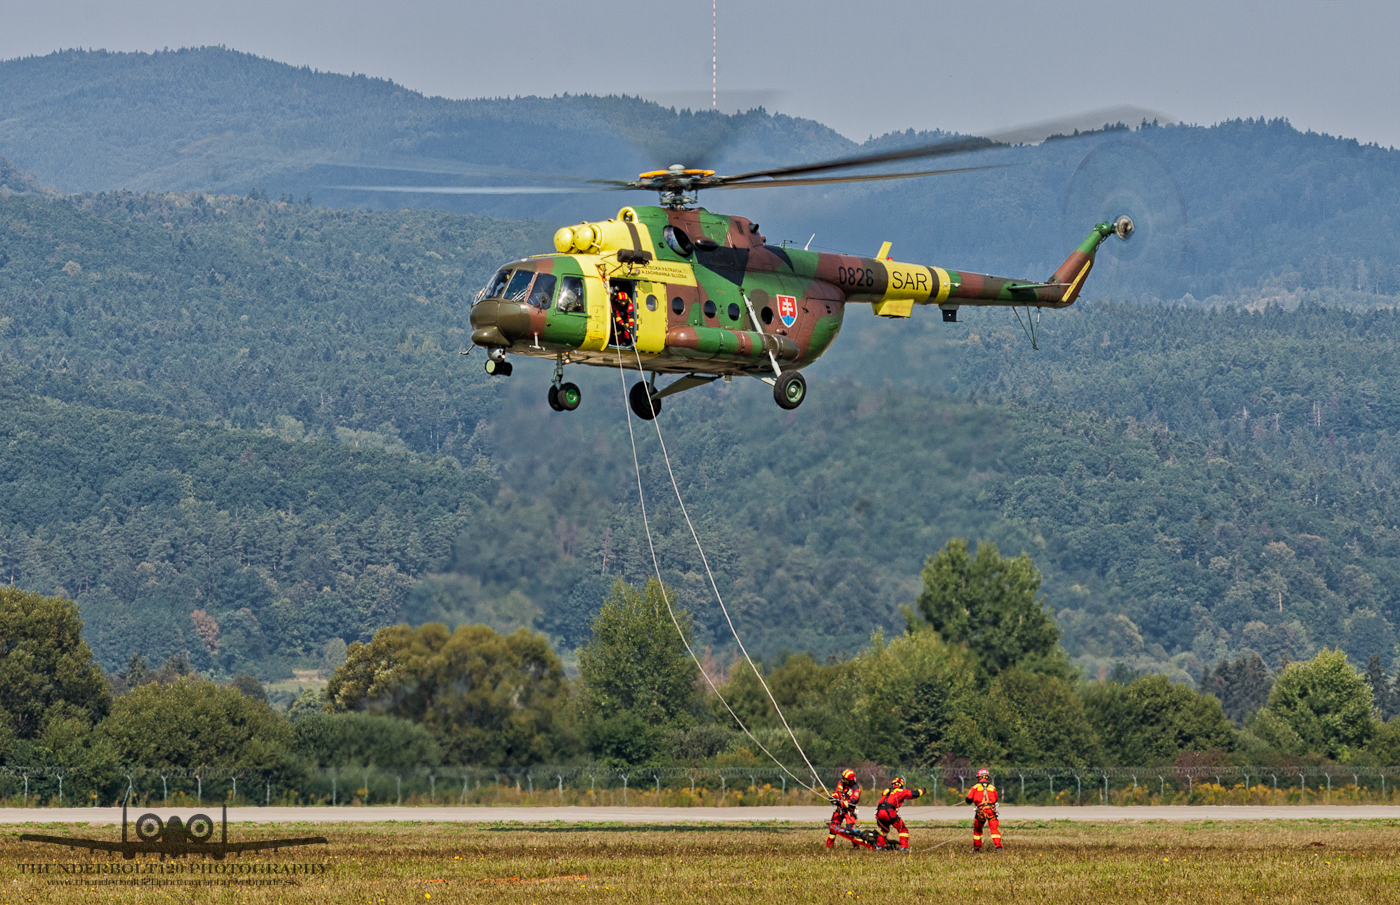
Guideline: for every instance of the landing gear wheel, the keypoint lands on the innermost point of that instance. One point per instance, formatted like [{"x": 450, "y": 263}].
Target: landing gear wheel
[
  {"x": 498, "y": 368},
  {"x": 200, "y": 827},
  {"x": 790, "y": 389},
  {"x": 149, "y": 827},
  {"x": 554, "y": 399},
  {"x": 569, "y": 396},
  {"x": 644, "y": 405}
]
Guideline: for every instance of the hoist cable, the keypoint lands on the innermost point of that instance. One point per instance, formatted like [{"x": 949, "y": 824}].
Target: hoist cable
[
  {"x": 656, "y": 567},
  {"x": 715, "y": 587}
]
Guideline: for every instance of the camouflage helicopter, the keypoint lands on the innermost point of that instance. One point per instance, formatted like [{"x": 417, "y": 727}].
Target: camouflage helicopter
[{"x": 678, "y": 290}]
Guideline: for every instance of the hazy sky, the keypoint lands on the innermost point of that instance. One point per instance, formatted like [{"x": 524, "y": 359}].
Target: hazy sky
[{"x": 1327, "y": 65}]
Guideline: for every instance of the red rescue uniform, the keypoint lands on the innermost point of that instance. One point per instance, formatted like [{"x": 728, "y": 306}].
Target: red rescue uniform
[
  {"x": 984, "y": 797},
  {"x": 887, "y": 814},
  {"x": 845, "y": 798}
]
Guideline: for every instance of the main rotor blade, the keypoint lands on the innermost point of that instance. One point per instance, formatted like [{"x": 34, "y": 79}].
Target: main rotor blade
[
  {"x": 870, "y": 177},
  {"x": 1028, "y": 134},
  {"x": 480, "y": 189}
]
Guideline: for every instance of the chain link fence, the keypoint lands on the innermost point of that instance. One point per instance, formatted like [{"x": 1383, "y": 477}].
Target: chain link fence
[{"x": 603, "y": 785}]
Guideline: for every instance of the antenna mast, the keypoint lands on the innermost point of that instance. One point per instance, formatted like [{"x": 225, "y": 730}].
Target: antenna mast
[{"x": 714, "y": 55}]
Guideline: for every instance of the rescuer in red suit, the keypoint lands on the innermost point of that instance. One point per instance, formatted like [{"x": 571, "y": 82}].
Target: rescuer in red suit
[
  {"x": 845, "y": 799},
  {"x": 625, "y": 319},
  {"x": 983, "y": 796},
  {"x": 887, "y": 812}
]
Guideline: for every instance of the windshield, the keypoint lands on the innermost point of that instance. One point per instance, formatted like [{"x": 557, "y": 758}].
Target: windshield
[
  {"x": 519, "y": 283},
  {"x": 542, "y": 293},
  {"x": 497, "y": 285}
]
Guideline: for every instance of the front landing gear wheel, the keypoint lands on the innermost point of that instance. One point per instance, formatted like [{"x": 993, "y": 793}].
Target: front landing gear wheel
[
  {"x": 554, "y": 399},
  {"x": 569, "y": 396},
  {"x": 790, "y": 389},
  {"x": 498, "y": 368},
  {"x": 644, "y": 405}
]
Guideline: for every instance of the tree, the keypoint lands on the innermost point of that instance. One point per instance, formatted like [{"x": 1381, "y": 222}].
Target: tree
[
  {"x": 1037, "y": 719},
  {"x": 1152, "y": 719},
  {"x": 988, "y": 602},
  {"x": 194, "y": 723},
  {"x": 636, "y": 679},
  {"x": 488, "y": 699},
  {"x": 44, "y": 662},
  {"x": 1382, "y": 691},
  {"x": 1321, "y": 706},
  {"x": 364, "y": 739},
  {"x": 250, "y": 687},
  {"x": 1241, "y": 687},
  {"x": 910, "y": 701}
]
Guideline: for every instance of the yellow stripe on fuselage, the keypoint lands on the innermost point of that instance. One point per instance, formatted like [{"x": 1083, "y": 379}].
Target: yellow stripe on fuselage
[{"x": 945, "y": 286}]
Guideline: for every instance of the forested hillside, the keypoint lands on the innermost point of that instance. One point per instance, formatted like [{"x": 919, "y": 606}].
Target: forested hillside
[
  {"x": 239, "y": 428},
  {"x": 1242, "y": 208},
  {"x": 237, "y": 408}
]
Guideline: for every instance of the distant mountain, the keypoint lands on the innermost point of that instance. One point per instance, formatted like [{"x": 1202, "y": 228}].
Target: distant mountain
[{"x": 1245, "y": 207}]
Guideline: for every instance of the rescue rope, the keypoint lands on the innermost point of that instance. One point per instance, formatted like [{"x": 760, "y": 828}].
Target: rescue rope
[
  {"x": 656, "y": 567},
  {"x": 714, "y": 586}
]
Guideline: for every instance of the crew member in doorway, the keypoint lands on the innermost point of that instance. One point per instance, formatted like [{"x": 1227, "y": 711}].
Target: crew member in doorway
[
  {"x": 887, "y": 812},
  {"x": 624, "y": 319},
  {"x": 844, "y": 798},
  {"x": 983, "y": 796}
]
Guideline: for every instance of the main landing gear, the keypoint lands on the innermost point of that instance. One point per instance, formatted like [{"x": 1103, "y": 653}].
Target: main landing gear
[
  {"x": 563, "y": 397},
  {"x": 790, "y": 389},
  {"x": 644, "y": 401}
]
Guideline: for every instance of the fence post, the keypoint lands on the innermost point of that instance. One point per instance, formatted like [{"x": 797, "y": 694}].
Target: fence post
[
  {"x": 432, "y": 789},
  {"x": 165, "y": 790},
  {"x": 1079, "y": 789},
  {"x": 398, "y": 787},
  {"x": 1161, "y": 788},
  {"x": 1052, "y": 786},
  {"x": 267, "y": 791},
  {"x": 624, "y": 790},
  {"x": 1022, "y": 799},
  {"x": 561, "y": 788},
  {"x": 199, "y": 789},
  {"x": 334, "y": 790},
  {"x": 60, "y": 789}
]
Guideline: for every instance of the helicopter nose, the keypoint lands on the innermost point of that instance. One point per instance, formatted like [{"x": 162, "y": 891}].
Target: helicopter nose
[{"x": 499, "y": 323}]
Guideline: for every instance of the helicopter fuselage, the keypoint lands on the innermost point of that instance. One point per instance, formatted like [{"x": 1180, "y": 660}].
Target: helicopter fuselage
[{"x": 686, "y": 291}]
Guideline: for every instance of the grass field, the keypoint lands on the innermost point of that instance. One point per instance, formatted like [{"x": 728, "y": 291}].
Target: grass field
[{"x": 1051, "y": 862}]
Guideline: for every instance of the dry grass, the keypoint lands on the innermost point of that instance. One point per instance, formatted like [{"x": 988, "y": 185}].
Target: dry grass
[{"x": 1054, "y": 862}]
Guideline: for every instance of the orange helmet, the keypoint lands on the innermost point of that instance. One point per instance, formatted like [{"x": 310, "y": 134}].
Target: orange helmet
[
  {"x": 849, "y": 775},
  {"x": 897, "y": 782},
  {"x": 984, "y": 775}
]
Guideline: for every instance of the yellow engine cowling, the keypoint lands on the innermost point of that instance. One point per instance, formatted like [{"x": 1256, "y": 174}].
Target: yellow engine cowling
[{"x": 603, "y": 238}]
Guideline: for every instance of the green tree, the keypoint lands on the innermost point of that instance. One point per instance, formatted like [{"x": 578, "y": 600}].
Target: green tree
[
  {"x": 910, "y": 701},
  {"x": 1152, "y": 719},
  {"x": 988, "y": 602},
  {"x": 194, "y": 723},
  {"x": 1242, "y": 687},
  {"x": 1032, "y": 718},
  {"x": 488, "y": 699},
  {"x": 636, "y": 680},
  {"x": 44, "y": 662},
  {"x": 1383, "y": 692},
  {"x": 364, "y": 739},
  {"x": 1320, "y": 706}
]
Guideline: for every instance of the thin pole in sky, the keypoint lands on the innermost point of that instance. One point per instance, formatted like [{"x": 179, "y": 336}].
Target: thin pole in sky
[{"x": 714, "y": 54}]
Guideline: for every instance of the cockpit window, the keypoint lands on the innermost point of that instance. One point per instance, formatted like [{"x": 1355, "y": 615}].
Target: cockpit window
[
  {"x": 571, "y": 295},
  {"x": 517, "y": 287},
  {"x": 497, "y": 285},
  {"x": 542, "y": 293}
]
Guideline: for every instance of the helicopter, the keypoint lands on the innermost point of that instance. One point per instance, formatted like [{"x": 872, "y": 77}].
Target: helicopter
[{"x": 674, "y": 289}]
